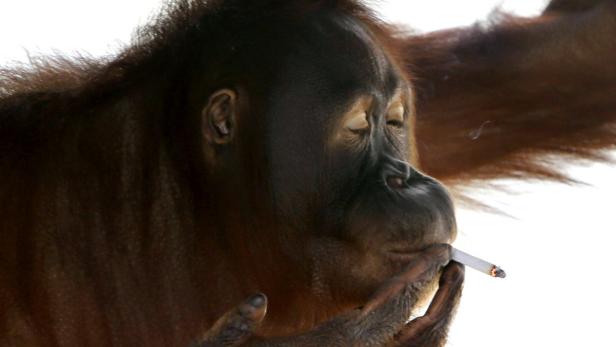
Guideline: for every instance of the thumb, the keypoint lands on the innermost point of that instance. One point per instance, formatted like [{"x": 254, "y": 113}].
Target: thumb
[{"x": 237, "y": 325}]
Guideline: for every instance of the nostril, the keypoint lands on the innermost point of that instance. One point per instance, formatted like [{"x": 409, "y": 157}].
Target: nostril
[{"x": 396, "y": 182}]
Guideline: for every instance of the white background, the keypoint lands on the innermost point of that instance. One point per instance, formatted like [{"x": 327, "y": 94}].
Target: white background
[{"x": 557, "y": 250}]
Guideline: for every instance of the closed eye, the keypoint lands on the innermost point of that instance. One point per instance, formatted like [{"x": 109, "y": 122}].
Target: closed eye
[
  {"x": 395, "y": 116},
  {"x": 395, "y": 123},
  {"x": 358, "y": 122}
]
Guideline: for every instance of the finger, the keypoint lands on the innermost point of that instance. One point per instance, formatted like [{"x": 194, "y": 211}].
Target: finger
[
  {"x": 422, "y": 266},
  {"x": 390, "y": 307},
  {"x": 377, "y": 327},
  {"x": 237, "y": 325},
  {"x": 440, "y": 310}
]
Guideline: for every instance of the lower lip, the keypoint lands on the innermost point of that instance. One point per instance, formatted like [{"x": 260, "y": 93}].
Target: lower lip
[{"x": 402, "y": 255}]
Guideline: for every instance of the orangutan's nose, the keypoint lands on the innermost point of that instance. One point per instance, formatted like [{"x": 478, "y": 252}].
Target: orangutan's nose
[
  {"x": 396, "y": 182},
  {"x": 399, "y": 174}
]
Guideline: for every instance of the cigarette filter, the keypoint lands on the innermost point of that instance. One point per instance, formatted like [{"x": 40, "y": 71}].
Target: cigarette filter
[{"x": 477, "y": 264}]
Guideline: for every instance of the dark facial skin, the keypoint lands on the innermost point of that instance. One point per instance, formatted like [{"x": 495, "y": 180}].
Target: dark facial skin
[
  {"x": 351, "y": 209},
  {"x": 258, "y": 146},
  {"x": 145, "y": 206},
  {"x": 342, "y": 176}
]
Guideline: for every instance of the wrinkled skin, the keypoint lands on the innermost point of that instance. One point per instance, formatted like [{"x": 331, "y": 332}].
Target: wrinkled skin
[
  {"x": 243, "y": 147},
  {"x": 360, "y": 213},
  {"x": 344, "y": 205},
  {"x": 277, "y": 158},
  {"x": 270, "y": 147},
  {"x": 383, "y": 321}
]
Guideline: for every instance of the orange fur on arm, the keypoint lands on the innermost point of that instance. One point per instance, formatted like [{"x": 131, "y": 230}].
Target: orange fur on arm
[{"x": 492, "y": 102}]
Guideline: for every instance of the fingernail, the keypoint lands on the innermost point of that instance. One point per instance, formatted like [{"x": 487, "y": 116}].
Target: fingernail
[{"x": 257, "y": 301}]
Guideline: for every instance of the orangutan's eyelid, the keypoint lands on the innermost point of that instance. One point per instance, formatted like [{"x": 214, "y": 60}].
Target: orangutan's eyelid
[
  {"x": 358, "y": 122},
  {"x": 395, "y": 115}
]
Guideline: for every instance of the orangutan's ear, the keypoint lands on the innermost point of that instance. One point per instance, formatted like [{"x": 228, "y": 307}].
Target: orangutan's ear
[{"x": 218, "y": 117}]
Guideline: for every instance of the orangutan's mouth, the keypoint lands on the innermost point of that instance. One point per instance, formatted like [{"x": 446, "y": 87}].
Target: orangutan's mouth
[
  {"x": 407, "y": 253},
  {"x": 402, "y": 249},
  {"x": 404, "y": 255}
]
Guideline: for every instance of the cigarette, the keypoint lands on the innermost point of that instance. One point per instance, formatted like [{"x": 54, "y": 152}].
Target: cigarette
[{"x": 477, "y": 264}]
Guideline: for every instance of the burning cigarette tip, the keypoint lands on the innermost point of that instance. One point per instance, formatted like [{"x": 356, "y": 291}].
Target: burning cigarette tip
[
  {"x": 498, "y": 272},
  {"x": 477, "y": 264}
]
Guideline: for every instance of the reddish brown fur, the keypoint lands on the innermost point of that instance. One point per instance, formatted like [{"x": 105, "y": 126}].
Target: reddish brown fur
[
  {"x": 493, "y": 102},
  {"x": 103, "y": 211},
  {"x": 490, "y": 103}
]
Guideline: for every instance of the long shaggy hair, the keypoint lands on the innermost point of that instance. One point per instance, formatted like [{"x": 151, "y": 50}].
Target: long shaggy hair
[{"x": 101, "y": 192}]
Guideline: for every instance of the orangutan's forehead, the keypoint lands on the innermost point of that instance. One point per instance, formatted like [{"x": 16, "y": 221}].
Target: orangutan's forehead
[{"x": 340, "y": 55}]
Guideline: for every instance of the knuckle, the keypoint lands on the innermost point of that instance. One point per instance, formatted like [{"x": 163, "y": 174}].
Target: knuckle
[
  {"x": 340, "y": 333},
  {"x": 454, "y": 274},
  {"x": 440, "y": 252},
  {"x": 253, "y": 309},
  {"x": 428, "y": 321}
]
